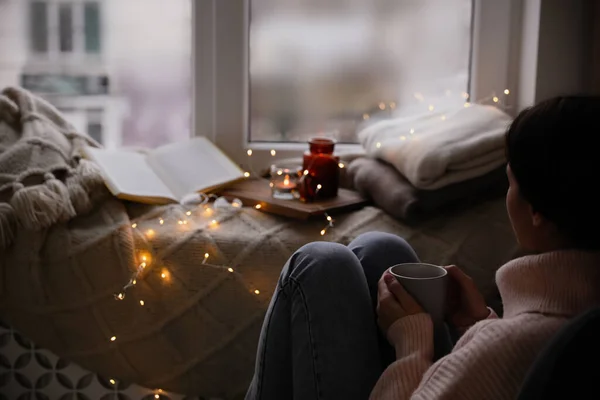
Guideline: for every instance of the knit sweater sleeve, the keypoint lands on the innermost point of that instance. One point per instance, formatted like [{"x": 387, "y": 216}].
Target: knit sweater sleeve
[
  {"x": 491, "y": 358},
  {"x": 412, "y": 337}
]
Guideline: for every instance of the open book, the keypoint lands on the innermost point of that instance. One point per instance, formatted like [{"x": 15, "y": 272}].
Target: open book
[{"x": 166, "y": 174}]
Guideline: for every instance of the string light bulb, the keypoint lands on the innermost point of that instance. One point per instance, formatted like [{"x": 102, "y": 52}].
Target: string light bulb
[
  {"x": 392, "y": 105},
  {"x": 341, "y": 165},
  {"x": 113, "y": 338},
  {"x": 134, "y": 225},
  {"x": 249, "y": 152},
  {"x": 495, "y": 99},
  {"x": 273, "y": 153},
  {"x": 161, "y": 221},
  {"x": 257, "y": 291},
  {"x": 467, "y": 104},
  {"x": 319, "y": 186},
  {"x": 258, "y": 206},
  {"x": 366, "y": 116},
  {"x": 378, "y": 145},
  {"x": 188, "y": 213},
  {"x": 142, "y": 303},
  {"x": 506, "y": 91},
  {"x": 431, "y": 107},
  {"x": 230, "y": 269},
  {"x": 382, "y": 106},
  {"x": 150, "y": 233},
  {"x": 206, "y": 255},
  {"x": 112, "y": 381},
  {"x": 412, "y": 130},
  {"x": 323, "y": 232},
  {"x": 120, "y": 296},
  {"x": 246, "y": 174}
]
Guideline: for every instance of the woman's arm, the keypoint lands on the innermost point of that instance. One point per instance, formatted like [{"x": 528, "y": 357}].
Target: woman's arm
[
  {"x": 412, "y": 337},
  {"x": 491, "y": 360}
]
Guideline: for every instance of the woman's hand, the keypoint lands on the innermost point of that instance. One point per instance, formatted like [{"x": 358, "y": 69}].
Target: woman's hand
[
  {"x": 393, "y": 302},
  {"x": 464, "y": 303}
]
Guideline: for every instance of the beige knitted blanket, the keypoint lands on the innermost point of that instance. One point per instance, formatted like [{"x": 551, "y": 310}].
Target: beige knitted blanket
[{"x": 188, "y": 324}]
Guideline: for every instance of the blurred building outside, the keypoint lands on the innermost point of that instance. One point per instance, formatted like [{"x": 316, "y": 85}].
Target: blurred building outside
[{"x": 119, "y": 70}]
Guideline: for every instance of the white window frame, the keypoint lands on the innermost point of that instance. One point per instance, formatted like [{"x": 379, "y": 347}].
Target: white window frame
[{"x": 221, "y": 84}]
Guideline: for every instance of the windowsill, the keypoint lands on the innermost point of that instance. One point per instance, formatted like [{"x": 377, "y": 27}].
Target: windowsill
[{"x": 286, "y": 146}]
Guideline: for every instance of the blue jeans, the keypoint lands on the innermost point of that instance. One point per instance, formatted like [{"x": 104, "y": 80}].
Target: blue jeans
[{"x": 320, "y": 339}]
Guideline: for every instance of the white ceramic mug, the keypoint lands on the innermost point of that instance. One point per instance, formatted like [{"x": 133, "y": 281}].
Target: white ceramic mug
[{"x": 427, "y": 283}]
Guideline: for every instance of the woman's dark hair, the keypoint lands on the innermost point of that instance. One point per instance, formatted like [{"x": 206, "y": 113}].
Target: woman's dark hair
[{"x": 553, "y": 150}]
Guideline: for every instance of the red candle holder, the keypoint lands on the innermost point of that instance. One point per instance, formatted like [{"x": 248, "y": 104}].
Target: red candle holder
[{"x": 321, "y": 177}]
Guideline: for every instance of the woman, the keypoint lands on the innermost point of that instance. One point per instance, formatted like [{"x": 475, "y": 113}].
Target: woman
[{"x": 320, "y": 340}]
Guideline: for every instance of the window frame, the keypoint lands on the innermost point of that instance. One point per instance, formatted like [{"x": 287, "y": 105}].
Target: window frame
[{"x": 221, "y": 76}]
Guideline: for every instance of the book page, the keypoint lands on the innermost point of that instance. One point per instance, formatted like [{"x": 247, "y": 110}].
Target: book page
[
  {"x": 192, "y": 166},
  {"x": 128, "y": 174}
]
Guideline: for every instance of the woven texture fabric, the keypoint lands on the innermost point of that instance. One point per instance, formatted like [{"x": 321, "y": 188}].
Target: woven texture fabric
[{"x": 197, "y": 330}]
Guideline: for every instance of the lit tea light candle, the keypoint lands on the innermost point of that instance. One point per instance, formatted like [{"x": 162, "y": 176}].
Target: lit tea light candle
[{"x": 284, "y": 182}]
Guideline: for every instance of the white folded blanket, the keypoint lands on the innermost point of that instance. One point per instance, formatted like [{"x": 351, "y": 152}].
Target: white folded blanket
[{"x": 446, "y": 146}]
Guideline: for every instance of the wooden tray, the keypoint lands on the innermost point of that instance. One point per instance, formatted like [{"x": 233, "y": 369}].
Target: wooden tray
[{"x": 257, "y": 191}]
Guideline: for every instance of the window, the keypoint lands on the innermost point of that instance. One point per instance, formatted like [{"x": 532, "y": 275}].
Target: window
[
  {"x": 75, "y": 25},
  {"x": 65, "y": 23},
  {"x": 324, "y": 67},
  {"x": 272, "y": 73},
  {"x": 39, "y": 26},
  {"x": 92, "y": 27},
  {"x": 94, "y": 124}
]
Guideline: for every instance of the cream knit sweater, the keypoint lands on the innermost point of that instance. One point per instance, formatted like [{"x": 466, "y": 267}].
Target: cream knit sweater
[{"x": 540, "y": 293}]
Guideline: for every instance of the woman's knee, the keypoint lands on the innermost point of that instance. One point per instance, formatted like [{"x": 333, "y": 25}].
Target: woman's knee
[
  {"x": 381, "y": 247},
  {"x": 322, "y": 258},
  {"x": 382, "y": 242}
]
